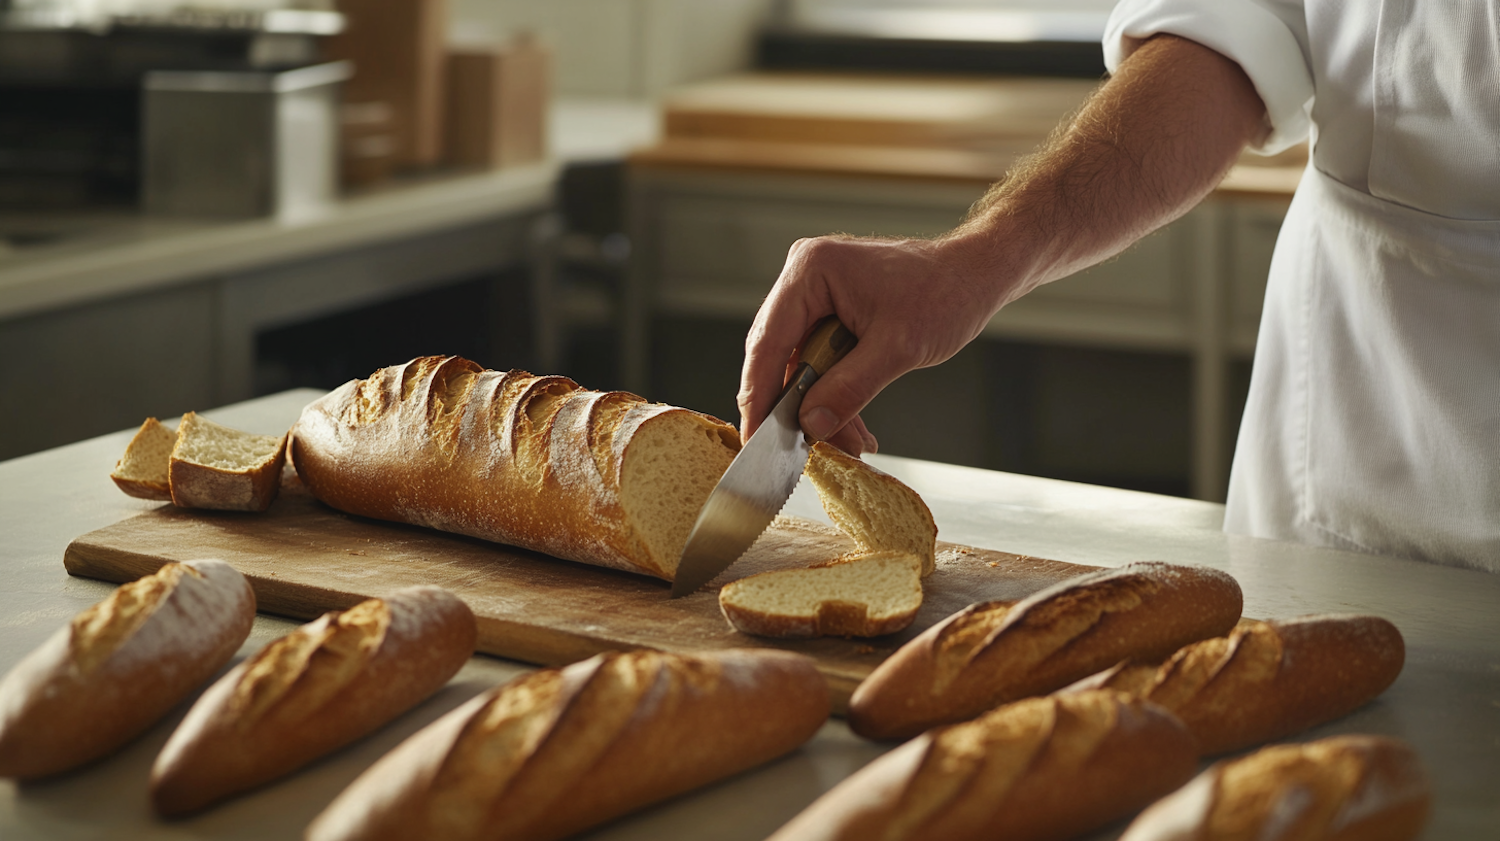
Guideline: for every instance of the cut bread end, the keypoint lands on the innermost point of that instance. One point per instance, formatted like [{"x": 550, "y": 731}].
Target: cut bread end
[
  {"x": 672, "y": 465},
  {"x": 214, "y": 466},
  {"x": 862, "y": 595},
  {"x": 876, "y": 509},
  {"x": 143, "y": 471}
]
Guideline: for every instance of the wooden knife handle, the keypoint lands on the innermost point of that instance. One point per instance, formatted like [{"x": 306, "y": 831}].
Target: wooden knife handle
[{"x": 829, "y": 342}]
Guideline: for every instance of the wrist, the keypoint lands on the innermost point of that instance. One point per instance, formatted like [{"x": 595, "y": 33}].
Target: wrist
[{"x": 998, "y": 249}]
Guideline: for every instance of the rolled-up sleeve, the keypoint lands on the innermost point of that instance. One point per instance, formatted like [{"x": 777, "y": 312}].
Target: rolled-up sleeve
[{"x": 1268, "y": 38}]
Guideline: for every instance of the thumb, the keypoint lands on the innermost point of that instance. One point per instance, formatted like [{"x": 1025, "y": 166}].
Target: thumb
[{"x": 845, "y": 389}]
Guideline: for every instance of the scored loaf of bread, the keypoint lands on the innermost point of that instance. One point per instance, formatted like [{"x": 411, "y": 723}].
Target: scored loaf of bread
[
  {"x": 326, "y": 684},
  {"x": 1041, "y": 768},
  {"x": 874, "y": 508},
  {"x": 1267, "y": 680},
  {"x": 860, "y": 595},
  {"x": 994, "y": 652},
  {"x": 143, "y": 471},
  {"x": 599, "y": 477},
  {"x": 119, "y": 666},
  {"x": 1344, "y": 788},
  {"x": 213, "y": 466},
  {"x": 560, "y": 750}
]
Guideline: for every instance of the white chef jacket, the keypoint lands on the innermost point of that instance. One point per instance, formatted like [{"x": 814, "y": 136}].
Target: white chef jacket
[{"x": 1373, "y": 421}]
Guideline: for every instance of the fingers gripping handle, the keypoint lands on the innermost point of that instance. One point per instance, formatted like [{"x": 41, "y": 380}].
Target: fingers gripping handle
[{"x": 829, "y": 342}]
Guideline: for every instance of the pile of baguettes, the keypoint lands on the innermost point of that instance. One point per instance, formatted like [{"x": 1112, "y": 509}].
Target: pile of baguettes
[{"x": 1044, "y": 718}]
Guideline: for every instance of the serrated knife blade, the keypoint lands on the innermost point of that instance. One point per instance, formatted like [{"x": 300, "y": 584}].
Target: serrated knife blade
[{"x": 762, "y": 476}]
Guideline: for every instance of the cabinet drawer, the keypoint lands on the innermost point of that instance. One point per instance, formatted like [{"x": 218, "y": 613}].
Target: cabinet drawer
[{"x": 737, "y": 247}]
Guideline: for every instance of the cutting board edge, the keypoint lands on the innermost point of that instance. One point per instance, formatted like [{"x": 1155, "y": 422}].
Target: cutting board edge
[{"x": 273, "y": 596}]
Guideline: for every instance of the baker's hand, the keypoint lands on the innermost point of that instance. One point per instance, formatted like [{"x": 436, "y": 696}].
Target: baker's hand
[{"x": 912, "y": 303}]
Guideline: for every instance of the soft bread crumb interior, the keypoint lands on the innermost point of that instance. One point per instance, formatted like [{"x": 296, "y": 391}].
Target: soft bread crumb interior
[
  {"x": 876, "y": 510},
  {"x": 671, "y": 466},
  {"x": 149, "y": 454},
  {"x": 204, "y": 442},
  {"x": 886, "y": 583}
]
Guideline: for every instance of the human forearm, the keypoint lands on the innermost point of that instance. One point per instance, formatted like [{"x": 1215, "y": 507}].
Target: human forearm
[{"x": 1147, "y": 147}]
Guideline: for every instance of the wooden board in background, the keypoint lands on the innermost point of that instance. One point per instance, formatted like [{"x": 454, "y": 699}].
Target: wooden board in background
[{"x": 304, "y": 558}]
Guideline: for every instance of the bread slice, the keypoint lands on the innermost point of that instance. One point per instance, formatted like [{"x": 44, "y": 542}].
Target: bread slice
[
  {"x": 142, "y": 471},
  {"x": 861, "y": 595},
  {"x": 872, "y": 507},
  {"x": 868, "y": 593},
  {"x": 217, "y": 467}
]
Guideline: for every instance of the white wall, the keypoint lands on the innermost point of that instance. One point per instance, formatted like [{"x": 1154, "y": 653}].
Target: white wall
[{"x": 630, "y": 48}]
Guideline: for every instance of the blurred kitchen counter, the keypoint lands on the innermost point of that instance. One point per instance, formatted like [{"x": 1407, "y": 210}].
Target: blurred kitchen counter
[
  {"x": 107, "y": 317},
  {"x": 56, "y": 259},
  {"x": 89, "y": 256},
  {"x": 928, "y": 128}
]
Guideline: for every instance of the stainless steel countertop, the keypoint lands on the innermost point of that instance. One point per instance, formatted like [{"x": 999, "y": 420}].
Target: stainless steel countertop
[{"x": 1446, "y": 702}]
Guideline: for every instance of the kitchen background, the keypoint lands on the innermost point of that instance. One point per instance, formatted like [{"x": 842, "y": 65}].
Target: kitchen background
[{"x": 204, "y": 203}]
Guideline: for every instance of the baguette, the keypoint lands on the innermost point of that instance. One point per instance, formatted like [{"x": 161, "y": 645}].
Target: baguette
[
  {"x": 994, "y": 652},
  {"x": 1042, "y": 768},
  {"x": 1345, "y": 788},
  {"x": 143, "y": 471},
  {"x": 121, "y": 665},
  {"x": 560, "y": 750},
  {"x": 597, "y": 477},
  {"x": 213, "y": 466},
  {"x": 1268, "y": 680},
  {"x": 326, "y": 684},
  {"x": 860, "y": 595}
]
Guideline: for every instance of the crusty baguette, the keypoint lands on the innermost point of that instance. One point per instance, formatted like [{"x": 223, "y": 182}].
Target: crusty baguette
[
  {"x": 874, "y": 508},
  {"x": 1345, "y": 788},
  {"x": 1041, "y": 768},
  {"x": 995, "y": 652},
  {"x": 121, "y": 665},
  {"x": 860, "y": 595},
  {"x": 216, "y": 467},
  {"x": 324, "y": 685},
  {"x": 142, "y": 471},
  {"x": 599, "y": 477},
  {"x": 560, "y": 750},
  {"x": 1267, "y": 680}
]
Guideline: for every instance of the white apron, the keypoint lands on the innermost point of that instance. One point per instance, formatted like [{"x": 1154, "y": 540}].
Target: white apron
[{"x": 1373, "y": 421}]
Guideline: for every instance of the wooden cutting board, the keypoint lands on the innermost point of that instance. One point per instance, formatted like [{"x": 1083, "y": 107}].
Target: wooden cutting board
[{"x": 304, "y": 558}]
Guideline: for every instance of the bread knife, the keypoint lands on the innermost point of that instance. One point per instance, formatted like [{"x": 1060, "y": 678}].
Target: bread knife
[{"x": 764, "y": 473}]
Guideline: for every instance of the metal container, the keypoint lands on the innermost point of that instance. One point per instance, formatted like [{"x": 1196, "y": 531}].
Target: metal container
[{"x": 241, "y": 144}]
